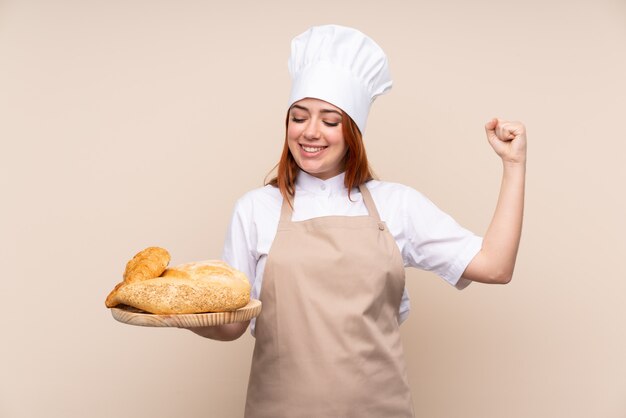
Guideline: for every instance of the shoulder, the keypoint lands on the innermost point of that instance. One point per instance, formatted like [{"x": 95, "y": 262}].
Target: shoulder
[
  {"x": 386, "y": 186},
  {"x": 388, "y": 193},
  {"x": 402, "y": 206},
  {"x": 263, "y": 199}
]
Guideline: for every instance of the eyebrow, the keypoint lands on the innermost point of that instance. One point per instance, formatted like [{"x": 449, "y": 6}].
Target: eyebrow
[{"x": 321, "y": 111}]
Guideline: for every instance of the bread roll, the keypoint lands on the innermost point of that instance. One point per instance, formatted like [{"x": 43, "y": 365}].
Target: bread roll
[{"x": 196, "y": 287}]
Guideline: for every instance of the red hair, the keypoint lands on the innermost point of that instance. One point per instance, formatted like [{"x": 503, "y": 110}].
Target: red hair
[{"x": 355, "y": 161}]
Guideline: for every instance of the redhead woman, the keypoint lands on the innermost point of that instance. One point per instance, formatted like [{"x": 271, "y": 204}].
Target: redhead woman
[{"x": 326, "y": 245}]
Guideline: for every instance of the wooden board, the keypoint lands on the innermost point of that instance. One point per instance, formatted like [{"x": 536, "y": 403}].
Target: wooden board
[{"x": 132, "y": 316}]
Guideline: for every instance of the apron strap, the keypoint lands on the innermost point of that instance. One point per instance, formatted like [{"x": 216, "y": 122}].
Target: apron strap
[
  {"x": 285, "y": 212},
  {"x": 369, "y": 202}
]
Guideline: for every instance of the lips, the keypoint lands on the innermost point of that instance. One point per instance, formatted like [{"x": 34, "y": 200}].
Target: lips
[{"x": 312, "y": 149}]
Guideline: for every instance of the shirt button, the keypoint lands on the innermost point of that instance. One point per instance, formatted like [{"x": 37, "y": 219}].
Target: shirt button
[{"x": 323, "y": 187}]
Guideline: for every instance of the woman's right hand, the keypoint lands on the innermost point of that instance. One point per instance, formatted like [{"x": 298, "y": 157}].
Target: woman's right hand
[{"x": 226, "y": 332}]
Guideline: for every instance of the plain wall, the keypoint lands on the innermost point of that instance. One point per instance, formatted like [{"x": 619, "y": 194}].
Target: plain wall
[{"x": 125, "y": 124}]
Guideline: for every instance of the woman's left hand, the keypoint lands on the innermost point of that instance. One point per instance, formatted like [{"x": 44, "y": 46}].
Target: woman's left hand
[{"x": 508, "y": 139}]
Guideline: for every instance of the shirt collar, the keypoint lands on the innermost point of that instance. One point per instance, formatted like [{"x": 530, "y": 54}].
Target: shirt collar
[{"x": 333, "y": 186}]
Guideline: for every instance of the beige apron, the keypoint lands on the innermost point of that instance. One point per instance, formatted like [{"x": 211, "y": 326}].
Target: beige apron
[{"x": 327, "y": 340}]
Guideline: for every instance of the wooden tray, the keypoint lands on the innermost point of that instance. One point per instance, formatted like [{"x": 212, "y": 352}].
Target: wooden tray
[{"x": 132, "y": 316}]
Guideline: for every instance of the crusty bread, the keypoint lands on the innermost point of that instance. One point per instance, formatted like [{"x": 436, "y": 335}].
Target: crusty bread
[{"x": 202, "y": 286}]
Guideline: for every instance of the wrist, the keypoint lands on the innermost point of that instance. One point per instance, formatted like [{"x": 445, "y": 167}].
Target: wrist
[
  {"x": 514, "y": 171},
  {"x": 514, "y": 165}
]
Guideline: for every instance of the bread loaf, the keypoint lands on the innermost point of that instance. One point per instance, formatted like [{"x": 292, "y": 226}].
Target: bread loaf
[{"x": 196, "y": 287}]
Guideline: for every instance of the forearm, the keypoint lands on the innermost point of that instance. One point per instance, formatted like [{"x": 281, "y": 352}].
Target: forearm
[
  {"x": 496, "y": 260},
  {"x": 226, "y": 332}
]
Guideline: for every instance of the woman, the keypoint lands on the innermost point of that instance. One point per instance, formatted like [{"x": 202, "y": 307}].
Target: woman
[{"x": 325, "y": 245}]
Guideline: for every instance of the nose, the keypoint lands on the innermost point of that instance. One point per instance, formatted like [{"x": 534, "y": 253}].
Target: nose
[{"x": 312, "y": 130}]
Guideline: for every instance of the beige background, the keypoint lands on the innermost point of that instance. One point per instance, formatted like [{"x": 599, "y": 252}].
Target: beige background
[{"x": 125, "y": 124}]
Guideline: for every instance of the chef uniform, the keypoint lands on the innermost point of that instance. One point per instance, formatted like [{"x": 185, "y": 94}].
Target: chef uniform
[{"x": 327, "y": 339}]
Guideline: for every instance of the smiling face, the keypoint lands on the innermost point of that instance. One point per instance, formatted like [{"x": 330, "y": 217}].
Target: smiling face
[{"x": 315, "y": 137}]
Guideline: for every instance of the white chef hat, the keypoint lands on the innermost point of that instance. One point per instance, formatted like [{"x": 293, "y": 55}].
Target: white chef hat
[{"x": 341, "y": 66}]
